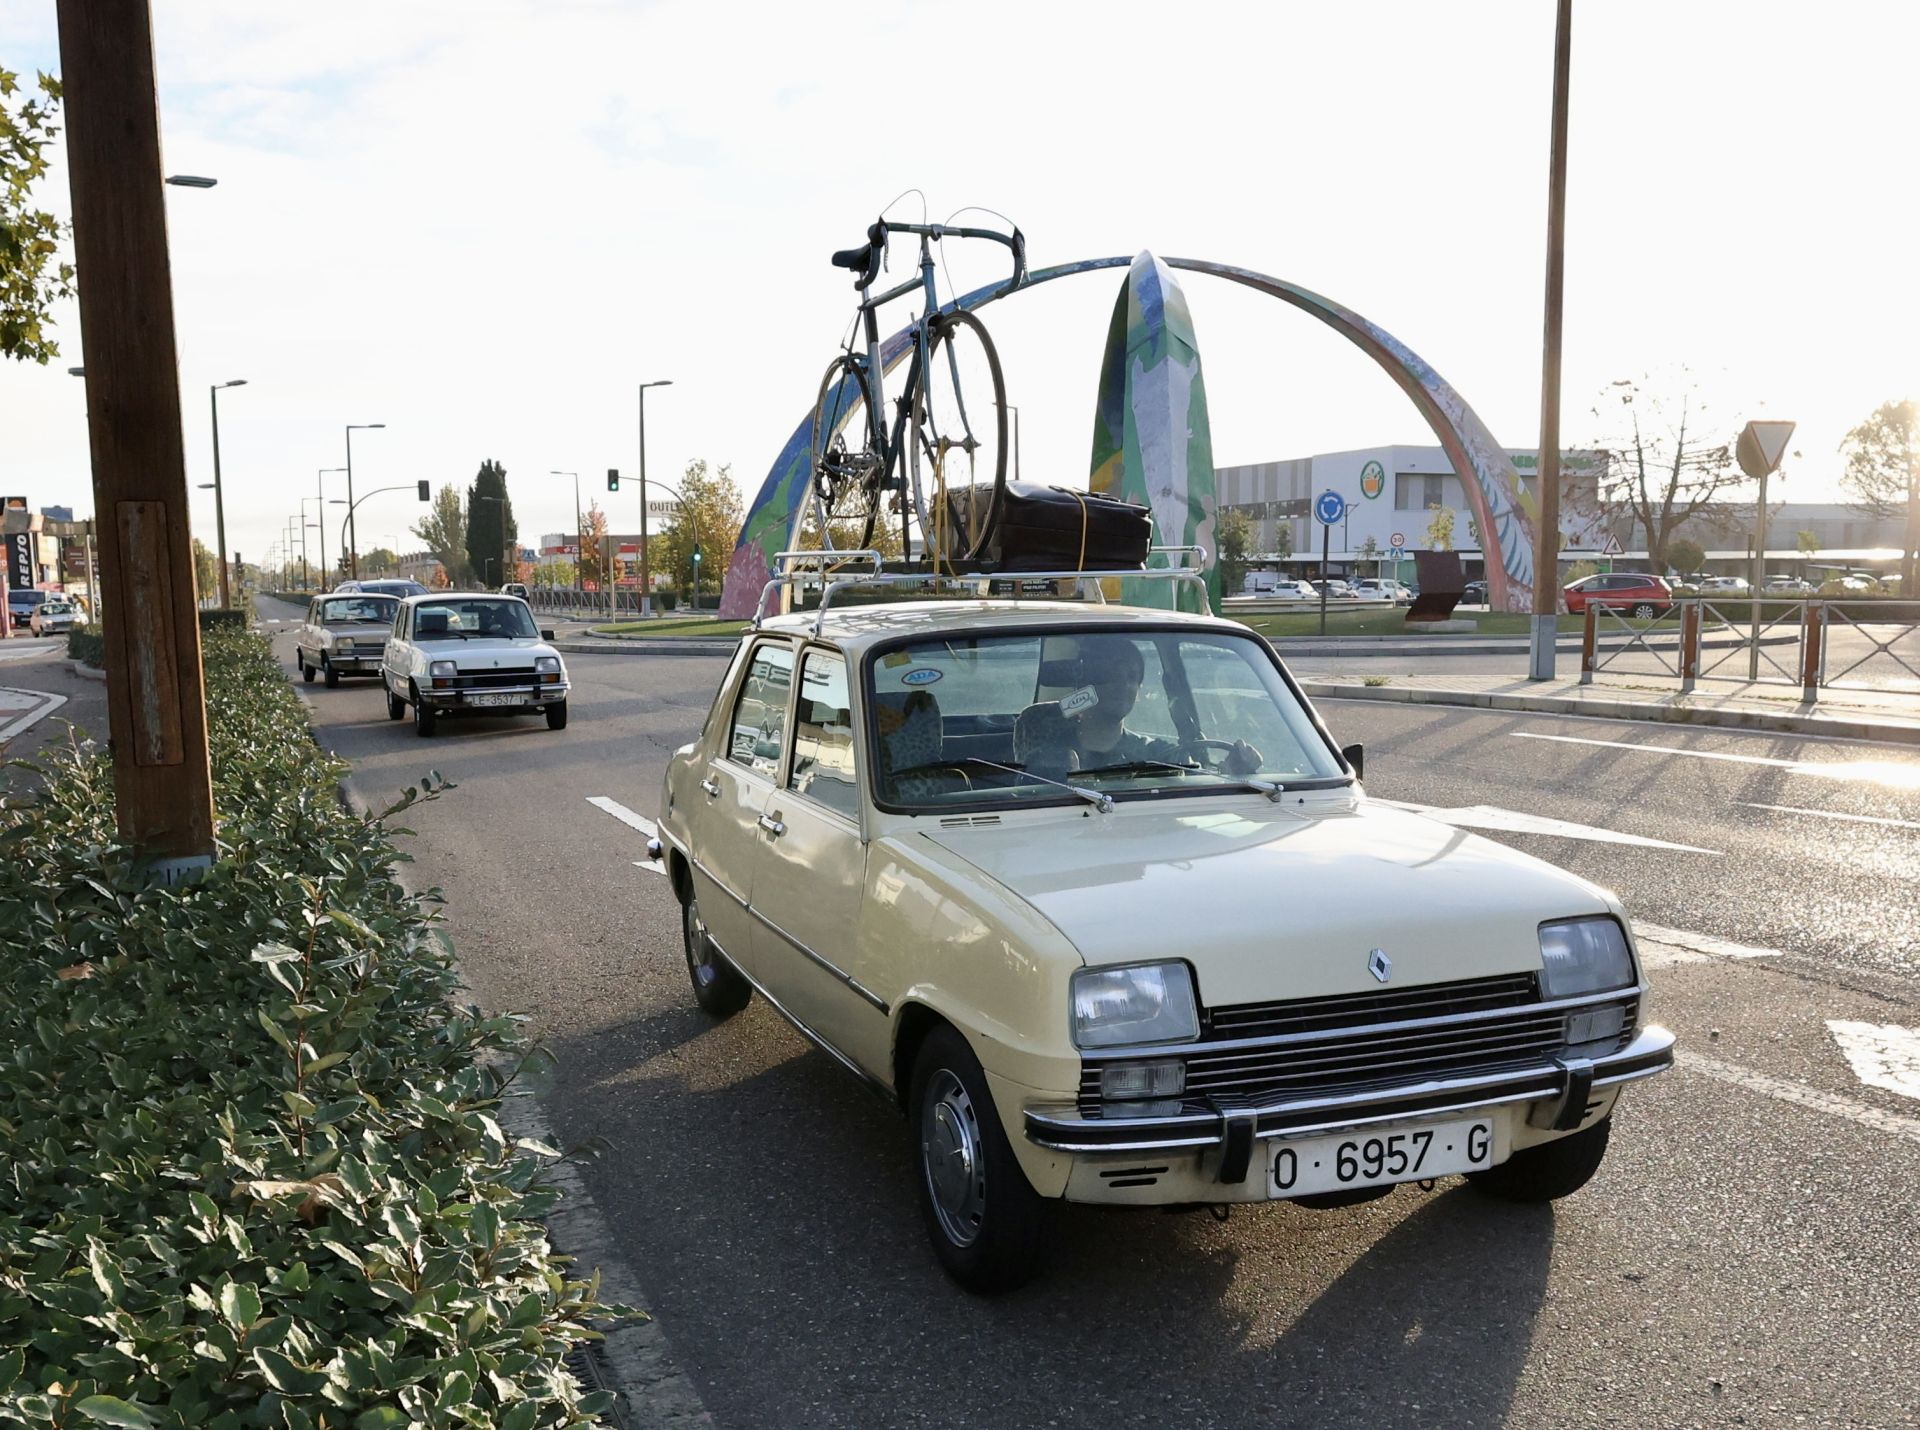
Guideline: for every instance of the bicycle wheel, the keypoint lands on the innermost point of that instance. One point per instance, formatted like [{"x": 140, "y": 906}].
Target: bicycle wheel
[
  {"x": 844, "y": 464},
  {"x": 959, "y": 437}
]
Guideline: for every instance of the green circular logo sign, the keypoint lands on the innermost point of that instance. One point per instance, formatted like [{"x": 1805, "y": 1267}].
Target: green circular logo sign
[{"x": 1373, "y": 480}]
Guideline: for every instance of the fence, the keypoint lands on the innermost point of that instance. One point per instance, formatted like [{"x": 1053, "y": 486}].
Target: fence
[
  {"x": 604, "y": 605},
  {"x": 1816, "y": 644}
]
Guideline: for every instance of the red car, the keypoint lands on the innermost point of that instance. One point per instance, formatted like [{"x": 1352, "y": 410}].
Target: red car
[{"x": 1635, "y": 592}]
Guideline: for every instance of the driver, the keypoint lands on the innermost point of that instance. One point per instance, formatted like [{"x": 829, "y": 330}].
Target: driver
[{"x": 1086, "y": 730}]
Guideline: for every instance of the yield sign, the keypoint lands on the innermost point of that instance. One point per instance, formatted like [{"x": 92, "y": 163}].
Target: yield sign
[
  {"x": 1612, "y": 548},
  {"x": 1881, "y": 1054},
  {"x": 1761, "y": 445}
]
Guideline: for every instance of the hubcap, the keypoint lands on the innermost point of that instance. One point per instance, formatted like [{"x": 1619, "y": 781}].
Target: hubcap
[
  {"x": 951, "y": 1158},
  {"x": 699, "y": 947}
]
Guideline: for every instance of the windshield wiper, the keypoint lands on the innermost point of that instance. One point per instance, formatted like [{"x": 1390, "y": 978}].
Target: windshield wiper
[
  {"x": 1266, "y": 787},
  {"x": 1101, "y": 802}
]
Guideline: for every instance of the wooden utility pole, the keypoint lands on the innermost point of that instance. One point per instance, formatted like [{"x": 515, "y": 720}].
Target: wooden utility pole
[
  {"x": 156, "y": 704},
  {"x": 1546, "y": 562}
]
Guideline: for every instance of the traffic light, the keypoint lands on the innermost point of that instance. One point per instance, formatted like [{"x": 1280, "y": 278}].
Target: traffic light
[
  {"x": 613, "y": 479},
  {"x": 425, "y": 494},
  {"x": 696, "y": 556}
]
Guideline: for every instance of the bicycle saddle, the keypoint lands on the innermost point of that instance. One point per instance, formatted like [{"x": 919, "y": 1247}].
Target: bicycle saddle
[{"x": 864, "y": 260}]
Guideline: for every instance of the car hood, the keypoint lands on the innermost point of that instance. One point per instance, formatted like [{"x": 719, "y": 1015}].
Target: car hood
[
  {"x": 1274, "y": 902},
  {"x": 483, "y": 654}
]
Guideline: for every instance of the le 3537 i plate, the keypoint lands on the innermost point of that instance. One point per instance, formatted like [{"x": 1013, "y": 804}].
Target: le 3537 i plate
[{"x": 1380, "y": 1156}]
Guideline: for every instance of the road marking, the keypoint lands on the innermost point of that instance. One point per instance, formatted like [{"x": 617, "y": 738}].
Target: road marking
[
  {"x": 1881, "y": 1054},
  {"x": 22, "y": 723},
  {"x": 1703, "y": 944},
  {"x": 1511, "y": 821},
  {"x": 1835, "y": 814},
  {"x": 1880, "y": 772},
  {"x": 633, "y": 821},
  {"x": 1834, "y": 1105}
]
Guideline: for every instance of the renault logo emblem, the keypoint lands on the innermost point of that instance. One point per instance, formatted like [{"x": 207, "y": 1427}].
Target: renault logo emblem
[{"x": 1379, "y": 965}]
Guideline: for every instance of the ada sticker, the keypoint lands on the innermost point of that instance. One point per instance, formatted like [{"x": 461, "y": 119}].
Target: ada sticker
[
  {"x": 922, "y": 675},
  {"x": 1085, "y": 698}
]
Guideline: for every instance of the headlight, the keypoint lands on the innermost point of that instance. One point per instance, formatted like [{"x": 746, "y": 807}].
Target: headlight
[
  {"x": 343, "y": 644},
  {"x": 547, "y": 664},
  {"x": 442, "y": 667},
  {"x": 1144, "y": 1003},
  {"x": 1581, "y": 956}
]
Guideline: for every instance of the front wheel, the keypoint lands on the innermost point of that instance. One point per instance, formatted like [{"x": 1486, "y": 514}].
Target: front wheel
[
  {"x": 718, "y": 986},
  {"x": 959, "y": 438},
  {"x": 845, "y": 467},
  {"x": 423, "y": 719},
  {"x": 987, "y": 1224},
  {"x": 333, "y": 674},
  {"x": 557, "y": 715},
  {"x": 1549, "y": 1171}
]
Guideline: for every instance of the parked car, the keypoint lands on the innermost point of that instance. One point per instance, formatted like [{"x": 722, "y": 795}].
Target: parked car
[
  {"x": 21, "y": 606},
  {"x": 515, "y": 588},
  {"x": 1787, "y": 586},
  {"x": 52, "y": 617},
  {"x": 1016, "y": 870},
  {"x": 1384, "y": 588},
  {"x": 1474, "y": 594},
  {"x": 344, "y": 635},
  {"x": 471, "y": 654},
  {"x": 1639, "y": 594},
  {"x": 1336, "y": 589},
  {"x": 1726, "y": 586}
]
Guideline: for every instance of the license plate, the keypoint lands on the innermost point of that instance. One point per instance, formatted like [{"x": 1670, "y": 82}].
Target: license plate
[
  {"x": 496, "y": 700},
  {"x": 1339, "y": 1161}
]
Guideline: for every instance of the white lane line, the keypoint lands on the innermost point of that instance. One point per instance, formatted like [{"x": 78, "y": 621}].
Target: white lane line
[
  {"x": 1511, "y": 821},
  {"x": 1704, "y": 944},
  {"x": 1881, "y": 1054},
  {"x": 1835, "y": 814},
  {"x": 633, "y": 821},
  {"x": 1880, "y": 772},
  {"x": 1891, "y": 1123},
  {"x": 21, "y": 724}
]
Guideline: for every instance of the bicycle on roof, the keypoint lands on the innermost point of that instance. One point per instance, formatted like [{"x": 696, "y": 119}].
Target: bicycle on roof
[{"x": 943, "y": 463}]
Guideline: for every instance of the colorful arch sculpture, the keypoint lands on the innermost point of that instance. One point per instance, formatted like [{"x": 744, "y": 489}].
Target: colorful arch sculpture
[{"x": 1495, "y": 494}]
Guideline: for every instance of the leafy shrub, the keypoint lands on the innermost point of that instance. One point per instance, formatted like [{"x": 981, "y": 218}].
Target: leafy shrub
[
  {"x": 254, "y": 1174},
  {"x": 88, "y": 645},
  {"x": 223, "y": 618}
]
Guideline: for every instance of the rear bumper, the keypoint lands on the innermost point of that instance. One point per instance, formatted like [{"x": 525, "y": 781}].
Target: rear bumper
[{"x": 1557, "y": 1091}]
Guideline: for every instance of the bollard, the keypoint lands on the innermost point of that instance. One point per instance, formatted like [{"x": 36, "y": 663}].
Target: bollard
[
  {"x": 1587, "y": 643},
  {"x": 1813, "y": 627},
  {"x": 1689, "y": 646}
]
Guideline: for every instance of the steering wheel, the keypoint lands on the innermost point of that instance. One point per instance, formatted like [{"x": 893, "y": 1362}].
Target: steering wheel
[{"x": 1224, "y": 747}]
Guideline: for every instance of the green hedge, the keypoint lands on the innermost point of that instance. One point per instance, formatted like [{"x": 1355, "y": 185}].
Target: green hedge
[
  {"x": 254, "y": 1173},
  {"x": 88, "y": 645}
]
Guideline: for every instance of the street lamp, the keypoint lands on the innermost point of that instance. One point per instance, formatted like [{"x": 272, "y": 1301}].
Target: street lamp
[
  {"x": 320, "y": 525},
  {"x": 320, "y": 486},
  {"x": 219, "y": 504},
  {"x": 579, "y": 535},
  {"x": 646, "y": 570},
  {"x": 353, "y": 542}
]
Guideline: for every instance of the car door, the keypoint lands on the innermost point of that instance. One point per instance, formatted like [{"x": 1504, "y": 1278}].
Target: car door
[
  {"x": 811, "y": 871},
  {"x": 394, "y": 660},
  {"x": 744, "y": 760}
]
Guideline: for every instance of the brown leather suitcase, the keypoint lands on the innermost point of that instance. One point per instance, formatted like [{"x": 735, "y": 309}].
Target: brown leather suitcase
[{"x": 1042, "y": 528}]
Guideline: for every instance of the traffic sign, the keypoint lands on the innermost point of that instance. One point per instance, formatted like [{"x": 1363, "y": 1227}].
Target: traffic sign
[
  {"x": 1612, "y": 548},
  {"x": 1397, "y": 540},
  {"x": 1761, "y": 445},
  {"x": 1329, "y": 507}
]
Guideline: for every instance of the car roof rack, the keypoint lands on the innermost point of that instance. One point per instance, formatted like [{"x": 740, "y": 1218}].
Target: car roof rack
[{"x": 796, "y": 572}]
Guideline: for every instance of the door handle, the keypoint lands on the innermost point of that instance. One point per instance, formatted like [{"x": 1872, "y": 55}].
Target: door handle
[
  {"x": 712, "y": 789},
  {"x": 772, "y": 825}
]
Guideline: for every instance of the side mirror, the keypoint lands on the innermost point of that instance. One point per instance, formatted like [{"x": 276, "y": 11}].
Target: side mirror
[
  {"x": 546, "y": 635},
  {"x": 1356, "y": 756}
]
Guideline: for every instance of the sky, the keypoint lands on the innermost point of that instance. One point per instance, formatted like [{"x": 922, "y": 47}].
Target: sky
[{"x": 483, "y": 223}]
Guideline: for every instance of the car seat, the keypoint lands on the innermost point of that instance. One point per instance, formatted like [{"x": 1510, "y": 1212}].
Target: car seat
[{"x": 911, "y": 734}]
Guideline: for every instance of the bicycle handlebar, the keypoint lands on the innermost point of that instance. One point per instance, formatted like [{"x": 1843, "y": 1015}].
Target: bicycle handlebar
[{"x": 866, "y": 259}]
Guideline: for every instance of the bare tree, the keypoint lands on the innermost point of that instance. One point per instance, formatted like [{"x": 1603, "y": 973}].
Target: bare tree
[
  {"x": 1883, "y": 473},
  {"x": 1663, "y": 464}
]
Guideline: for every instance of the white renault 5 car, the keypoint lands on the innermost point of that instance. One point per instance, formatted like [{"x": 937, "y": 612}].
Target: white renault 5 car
[
  {"x": 1094, "y": 897},
  {"x": 471, "y": 654}
]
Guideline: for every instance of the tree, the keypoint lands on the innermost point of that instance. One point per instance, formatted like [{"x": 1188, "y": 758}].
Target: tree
[
  {"x": 31, "y": 278},
  {"x": 378, "y": 560},
  {"x": 1283, "y": 539},
  {"x": 709, "y": 514},
  {"x": 846, "y": 537},
  {"x": 444, "y": 530},
  {"x": 1883, "y": 473},
  {"x": 593, "y": 541},
  {"x": 1660, "y": 465},
  {"x": 1370, "y": 551},
  {"x": 490, "y": 525},
  {"x": 206, "y": 578},
  {"x": 1233, "y": 533},
  {"x": 1440, "y": 527},
  {"x": 1685, "y": 555}
]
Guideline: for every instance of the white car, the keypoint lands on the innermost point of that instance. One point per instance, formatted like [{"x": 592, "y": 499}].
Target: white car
[
  {"x": 1384, "y": 588},
  {"x": 53, "y": 617},
  {"x": 343, "y": 635},
  {"x": 475, "y": 653},
  {"x": 1094, "y": 898}
]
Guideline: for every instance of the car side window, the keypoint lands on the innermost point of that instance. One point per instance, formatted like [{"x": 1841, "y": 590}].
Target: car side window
[
  {"x": 760, "y": 711},
  {"x": 823, "y": 735}
]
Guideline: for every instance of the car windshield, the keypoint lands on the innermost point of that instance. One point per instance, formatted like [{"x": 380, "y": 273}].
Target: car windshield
[
  {"x": 457, "y": 618},
  {"x": 394, "y": 588},
  {"x": 1008, "y": 719},
  {"x": 56, "y": 608},
  {"x": 358, "y": 610}
]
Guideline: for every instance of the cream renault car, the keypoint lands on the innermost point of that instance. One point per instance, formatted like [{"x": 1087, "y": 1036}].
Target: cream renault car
[{"x": 1092, "y": 895}]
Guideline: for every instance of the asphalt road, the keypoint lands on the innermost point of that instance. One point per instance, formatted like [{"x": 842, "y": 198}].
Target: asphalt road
[{"x": 1747, "y": 1255}]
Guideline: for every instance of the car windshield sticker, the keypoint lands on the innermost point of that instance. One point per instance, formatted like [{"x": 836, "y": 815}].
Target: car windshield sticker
[
  {"x": 895, "y": 657},
  {"x": 921, "y": 675},
  {"x": 1085, "y": 698}
]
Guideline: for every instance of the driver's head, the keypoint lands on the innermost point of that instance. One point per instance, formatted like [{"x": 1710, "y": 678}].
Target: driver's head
[{"x": 1114, "y": 667}]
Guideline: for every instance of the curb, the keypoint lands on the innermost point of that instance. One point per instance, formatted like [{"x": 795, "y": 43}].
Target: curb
[
  {"x": 1827, "y": 726},
  {"x": 641, "y": 645},
  {"x": 86, "y": 672},
  {"x": 1362, "y": 647}
]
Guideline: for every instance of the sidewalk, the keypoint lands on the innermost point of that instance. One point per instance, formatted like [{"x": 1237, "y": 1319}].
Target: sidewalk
[{"x": 1839, "y": 714}]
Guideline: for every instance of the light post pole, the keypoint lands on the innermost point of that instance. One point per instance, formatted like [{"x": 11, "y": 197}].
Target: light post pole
[
  {"x": 320, "y": 490},
  {"x": 646, "y": 569},
  {"x": 1544, "y": 626},
  {"x": 579, "y": 535},
  {"x": 353, "y": 555},
  {"x": 219, "y": 505},
  {"x": 320, "y": 526}
]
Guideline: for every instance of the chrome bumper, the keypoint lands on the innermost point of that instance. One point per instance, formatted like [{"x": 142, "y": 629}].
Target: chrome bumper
[
  {"x": 1563, "y": 1086},
  {"x": 529, "y": 695}
]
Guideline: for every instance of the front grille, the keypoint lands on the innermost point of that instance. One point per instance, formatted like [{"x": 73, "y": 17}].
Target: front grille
[
  {"x": 491, "y": 679},
  {"x": 1355, "y": 1044}
]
